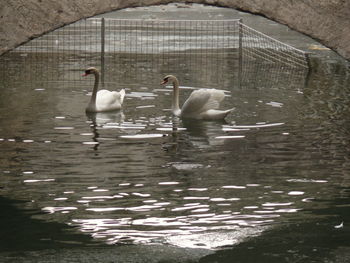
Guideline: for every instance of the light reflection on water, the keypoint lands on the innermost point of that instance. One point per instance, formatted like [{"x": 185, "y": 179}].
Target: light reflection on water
[{"x": 141, "y": 176}]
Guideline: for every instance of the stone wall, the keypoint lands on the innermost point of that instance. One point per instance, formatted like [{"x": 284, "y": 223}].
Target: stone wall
[{"x": 328, "y": 21}]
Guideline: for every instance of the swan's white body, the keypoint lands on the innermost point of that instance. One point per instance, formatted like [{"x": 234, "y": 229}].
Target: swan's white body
[
  {"x": 202, "y": 104},
  {"x": 106, "y": 101},
  {"x": 103, "y": 100}
]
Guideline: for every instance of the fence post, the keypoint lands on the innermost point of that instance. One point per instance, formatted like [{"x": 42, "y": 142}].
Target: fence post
[
  {"x": 240, "y": 50},
  {"x": 103, "y": 51}
]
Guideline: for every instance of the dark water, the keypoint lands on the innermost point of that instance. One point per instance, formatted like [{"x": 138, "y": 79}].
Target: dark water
[{"x": 270, "y": 184}]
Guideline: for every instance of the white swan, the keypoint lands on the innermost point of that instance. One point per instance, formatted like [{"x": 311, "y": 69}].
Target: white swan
[
  {"x": 103, "y": 100},
  {"x": 202, "y": 104}
]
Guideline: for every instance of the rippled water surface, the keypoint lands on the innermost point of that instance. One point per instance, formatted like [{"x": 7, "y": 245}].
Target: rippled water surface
[{"x": 278, "y": 166}]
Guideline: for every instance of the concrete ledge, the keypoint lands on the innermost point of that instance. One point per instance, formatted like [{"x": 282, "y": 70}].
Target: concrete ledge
[{"x": 324, "y": 20}]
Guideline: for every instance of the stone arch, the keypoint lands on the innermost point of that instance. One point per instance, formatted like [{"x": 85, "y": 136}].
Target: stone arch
[{"x": 327, "y": 21}]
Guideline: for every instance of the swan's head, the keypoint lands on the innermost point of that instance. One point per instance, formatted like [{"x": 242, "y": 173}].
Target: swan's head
[
  {"x": 168, "y": 79},
  {"x": 90, "y": 70}
]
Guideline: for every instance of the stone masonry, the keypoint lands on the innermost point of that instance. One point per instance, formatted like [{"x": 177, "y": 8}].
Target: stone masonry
[{"x": 327, "y": 21}]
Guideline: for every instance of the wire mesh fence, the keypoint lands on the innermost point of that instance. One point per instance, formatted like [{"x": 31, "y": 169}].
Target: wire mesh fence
[
  {"x": 209, "y": 52},
  {"x": 257, "y": 45}
]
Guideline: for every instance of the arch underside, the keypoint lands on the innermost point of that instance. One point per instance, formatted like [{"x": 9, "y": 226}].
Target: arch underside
[{"x": 326, "y": 21}]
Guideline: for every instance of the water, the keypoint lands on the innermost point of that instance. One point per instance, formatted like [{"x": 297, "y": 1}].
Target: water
[{"x": 273, "y": 179}]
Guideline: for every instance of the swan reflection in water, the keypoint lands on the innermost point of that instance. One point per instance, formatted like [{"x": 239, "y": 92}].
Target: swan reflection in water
[
  {"x": 191, "y": 133},
  {"x": 204, "y": 134},
  {"x": 100, "y": 120}
]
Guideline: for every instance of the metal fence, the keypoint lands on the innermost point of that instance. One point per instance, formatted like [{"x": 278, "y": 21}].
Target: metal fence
[
  {"x": 214, "y": 52},
  {"x": 259, "y": 46}
]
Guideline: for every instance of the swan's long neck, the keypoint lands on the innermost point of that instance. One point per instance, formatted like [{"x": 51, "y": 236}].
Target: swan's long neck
[
  {"x": 94, "y": 91},
  {"x": 175, "y": 103}
]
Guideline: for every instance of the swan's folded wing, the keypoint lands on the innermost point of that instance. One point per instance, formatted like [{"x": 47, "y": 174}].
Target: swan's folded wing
[
  {"x": 195, "y": 102},
  {"x": 203, "y": 100},
  {"x": 107, "y": 98},
  {"x": 216, "y": 96}
]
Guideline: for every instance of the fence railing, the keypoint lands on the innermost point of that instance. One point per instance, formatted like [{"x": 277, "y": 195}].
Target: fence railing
[
  {"x": 215, "y": 52},
  {"x": 260, "y": 46}
]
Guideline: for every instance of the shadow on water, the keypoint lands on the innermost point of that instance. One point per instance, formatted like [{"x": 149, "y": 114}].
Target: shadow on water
[
  {"x": 24, "y": 239},
  {"x": 20, "y": 232},
  {"x": 322, "y": 240}
]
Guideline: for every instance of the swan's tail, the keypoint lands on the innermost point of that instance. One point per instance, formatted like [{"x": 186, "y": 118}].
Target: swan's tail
[
  {"x": 215, "y": 114},
  {"x": 228, "y": 111},
  {"x": 232, "y": 109},
  {"x": 122, "y": 95}
]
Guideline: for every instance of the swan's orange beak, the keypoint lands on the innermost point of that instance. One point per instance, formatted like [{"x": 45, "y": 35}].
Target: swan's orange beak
[
  {"x": 84, "y": 75},
  {"x": 164, "y": 82}
]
